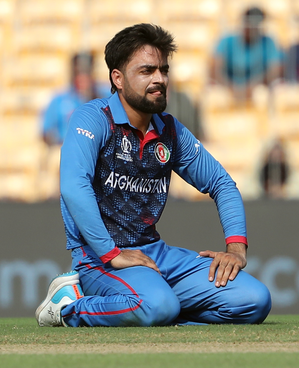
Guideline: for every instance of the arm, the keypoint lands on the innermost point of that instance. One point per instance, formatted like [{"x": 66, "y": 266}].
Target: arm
[
  {"x": 50, "y": 123},
  {"x": 201, "y": 170},
  {"x": 79, "y": 155}
]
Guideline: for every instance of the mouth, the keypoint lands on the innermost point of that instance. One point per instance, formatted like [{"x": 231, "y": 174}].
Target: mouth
[{"x": 157, "y": 91}]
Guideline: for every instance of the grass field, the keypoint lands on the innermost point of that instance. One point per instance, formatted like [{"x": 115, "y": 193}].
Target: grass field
[{"x": 273, "y": 344}]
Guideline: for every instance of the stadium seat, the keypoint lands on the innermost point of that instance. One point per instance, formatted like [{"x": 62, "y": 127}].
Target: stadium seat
[
  {"x": 97, "y": 35},
  {"x": 217, "y": 98},
  {"x": 196, "y": 10},
  {"x": 285, "y": 115},
  {"x": 48, "y": 11},
  {"x": 18, "y": 131},
  {"x": 36, "y": 70},
  {"x": 240, "y": 157},
  {"x": 38, "y": 37},
  {"x": 196, "y": 36},
  {"x": 19, "y": 187},
  {"x": 115, "y": 10},
  {"x": 7, "y": 10},
  {"x": 189, "y": 70},
  {"x": 30, "y": 100},
  {"x": 50, "y": 39},
  {"x": 180, "y": 189},
  {"x": 278, "y": 9}
]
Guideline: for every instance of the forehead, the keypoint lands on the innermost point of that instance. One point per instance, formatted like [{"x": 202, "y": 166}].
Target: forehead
[{"x": 148, "y": 55}]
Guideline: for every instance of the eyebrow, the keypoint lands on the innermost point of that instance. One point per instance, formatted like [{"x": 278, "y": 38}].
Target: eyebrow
[{"x": 152, "y": 67}]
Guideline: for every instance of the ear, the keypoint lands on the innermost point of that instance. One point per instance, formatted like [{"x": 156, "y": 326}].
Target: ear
[{"x": 117, "y": 78}]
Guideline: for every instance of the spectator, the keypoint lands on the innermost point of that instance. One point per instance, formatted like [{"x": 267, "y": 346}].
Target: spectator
[
  {"x": 291, "y": 66},
  {"x": 56, "y": 116},
  {"x": 274, "y": 173},
  {"x": 180, "y": 105},
  {"x": 244, "y": 60},
  {"x": 82, "y": 89}
]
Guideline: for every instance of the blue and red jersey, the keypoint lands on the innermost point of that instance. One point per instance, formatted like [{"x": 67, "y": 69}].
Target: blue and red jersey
[{"x": 115, "y": 181}]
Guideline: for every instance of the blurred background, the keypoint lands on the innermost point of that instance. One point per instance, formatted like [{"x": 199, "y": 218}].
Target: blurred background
[{"x": 234, "y": 84}]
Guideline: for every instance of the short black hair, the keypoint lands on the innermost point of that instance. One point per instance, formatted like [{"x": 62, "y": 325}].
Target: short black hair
[
  {"x": 254, "y": 15},
  {"x": 82, "y": 62},
  {"x": 124, "y": 44}
]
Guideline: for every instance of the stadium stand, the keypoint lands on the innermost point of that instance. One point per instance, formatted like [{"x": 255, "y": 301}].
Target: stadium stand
[{"x": 37, "y": 39}]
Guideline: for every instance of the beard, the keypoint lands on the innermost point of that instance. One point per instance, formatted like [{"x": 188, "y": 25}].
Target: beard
[{"x": 142, "y": 103}]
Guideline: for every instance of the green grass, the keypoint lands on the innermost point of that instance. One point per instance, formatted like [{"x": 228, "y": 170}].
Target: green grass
[
  {"x": 163, "y": 360},
  {"x": 24, "y": 334},
  {"x": 26, "y": 331}
]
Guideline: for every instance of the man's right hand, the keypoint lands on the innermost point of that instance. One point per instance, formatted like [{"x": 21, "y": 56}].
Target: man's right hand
[{"x": 130, "y": 258}]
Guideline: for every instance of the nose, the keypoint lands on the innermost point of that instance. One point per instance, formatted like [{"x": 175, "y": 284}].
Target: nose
[{"x": 159, "y": 77}]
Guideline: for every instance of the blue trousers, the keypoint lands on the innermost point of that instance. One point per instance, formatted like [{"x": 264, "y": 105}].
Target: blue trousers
[{"x": 140, "y": 296}]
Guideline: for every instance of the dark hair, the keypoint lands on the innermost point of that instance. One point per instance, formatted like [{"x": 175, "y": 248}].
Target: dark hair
[
  {"x": 81, "y": 63},
  {"x": 124, "y": 44},
  {"x": 254, "y": 15}
]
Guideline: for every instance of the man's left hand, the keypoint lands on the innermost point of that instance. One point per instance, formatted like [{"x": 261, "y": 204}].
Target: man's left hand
[{"x": 229, "y": 263}]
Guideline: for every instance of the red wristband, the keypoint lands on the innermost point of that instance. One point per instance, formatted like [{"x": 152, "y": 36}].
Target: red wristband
[
  {"x": 236, "y": 239},
  {"x": 110, "y": 255}
]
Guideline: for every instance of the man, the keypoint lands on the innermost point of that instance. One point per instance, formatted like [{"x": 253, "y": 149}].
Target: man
[
  {"x": 116, "y": 164},
  {"x": 246, "y": 59},
  {"x": 82, "y": 89}
]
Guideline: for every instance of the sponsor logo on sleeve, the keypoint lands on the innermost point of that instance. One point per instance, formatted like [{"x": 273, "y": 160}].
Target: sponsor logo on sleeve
[
  {"x": 85, "y": 132},
  {"x": 197, "y": 145}
]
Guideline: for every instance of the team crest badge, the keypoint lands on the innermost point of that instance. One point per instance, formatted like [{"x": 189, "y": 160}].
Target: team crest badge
[{"x": 162, "y": 153}]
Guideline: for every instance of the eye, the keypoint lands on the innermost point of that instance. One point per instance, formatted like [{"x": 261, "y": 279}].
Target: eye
[
  {"x": 146, "y": 71},
  {"x": 165, "y": 70}
]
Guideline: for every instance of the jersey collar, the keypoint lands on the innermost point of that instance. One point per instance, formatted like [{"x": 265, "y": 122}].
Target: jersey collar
[{"x": 120, "y": 116}]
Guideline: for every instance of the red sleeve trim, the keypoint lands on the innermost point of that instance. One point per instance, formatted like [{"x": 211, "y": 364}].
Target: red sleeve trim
[
  {"x": 110, "y": 255},
  {"x": 236, "y": 239}
]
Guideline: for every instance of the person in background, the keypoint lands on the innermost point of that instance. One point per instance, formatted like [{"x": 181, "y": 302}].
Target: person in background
[
  {"x": 82, "y": 89},
  {"x": 180, "y": 105},
  {"x": 291, "y": 65},
  {"x": 275, "y": 172},
  {"x": 244, "y": 60}
]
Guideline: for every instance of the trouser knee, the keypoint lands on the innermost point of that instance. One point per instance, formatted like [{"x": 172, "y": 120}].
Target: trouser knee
[
  {"x": 159, "y": 312},
  {"x": 253, "y": 305}
]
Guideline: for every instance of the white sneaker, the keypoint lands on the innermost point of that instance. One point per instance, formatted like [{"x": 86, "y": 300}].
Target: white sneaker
[{"x": 63, "y": 290}]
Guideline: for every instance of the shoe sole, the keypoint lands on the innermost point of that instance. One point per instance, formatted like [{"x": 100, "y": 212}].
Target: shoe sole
[{"x": 56, "y": 284}]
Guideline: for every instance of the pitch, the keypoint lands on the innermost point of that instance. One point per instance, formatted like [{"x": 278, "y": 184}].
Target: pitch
[{"x": 273, "y": 344}]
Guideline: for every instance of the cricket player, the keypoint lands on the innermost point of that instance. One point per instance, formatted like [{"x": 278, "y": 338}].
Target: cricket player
[{"x": 116, "y": 164}]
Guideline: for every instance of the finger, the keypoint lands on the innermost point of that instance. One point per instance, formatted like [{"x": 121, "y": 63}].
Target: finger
[
  {"x": 226, "y": 272},
  {"x": 155, "y": 268},
  {"x": 220, "y": 274},
  {"x": 234, "y": 272},
  {"x": 212, "y": 269},
  {"x": 148, "y": 262},
  {"x": 207, "y": 253}
]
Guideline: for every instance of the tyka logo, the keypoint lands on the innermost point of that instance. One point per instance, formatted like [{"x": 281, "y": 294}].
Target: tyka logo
[
  {"x": 85, "y": 132},
  {"x": 162, "y": 153},
  {"x": 197, "y": 145}
]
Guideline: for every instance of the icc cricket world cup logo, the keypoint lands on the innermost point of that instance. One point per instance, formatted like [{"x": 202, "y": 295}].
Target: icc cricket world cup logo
[{"x": 126, "y": 145}]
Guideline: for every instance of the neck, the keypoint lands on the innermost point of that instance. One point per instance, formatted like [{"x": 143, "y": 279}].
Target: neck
[{"x": 138, "y": 119}]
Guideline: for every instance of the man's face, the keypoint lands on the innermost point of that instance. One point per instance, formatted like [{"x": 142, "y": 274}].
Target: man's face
[
  {"x": 145, "y": 81},
  {"x": 252, "y": 31}
]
